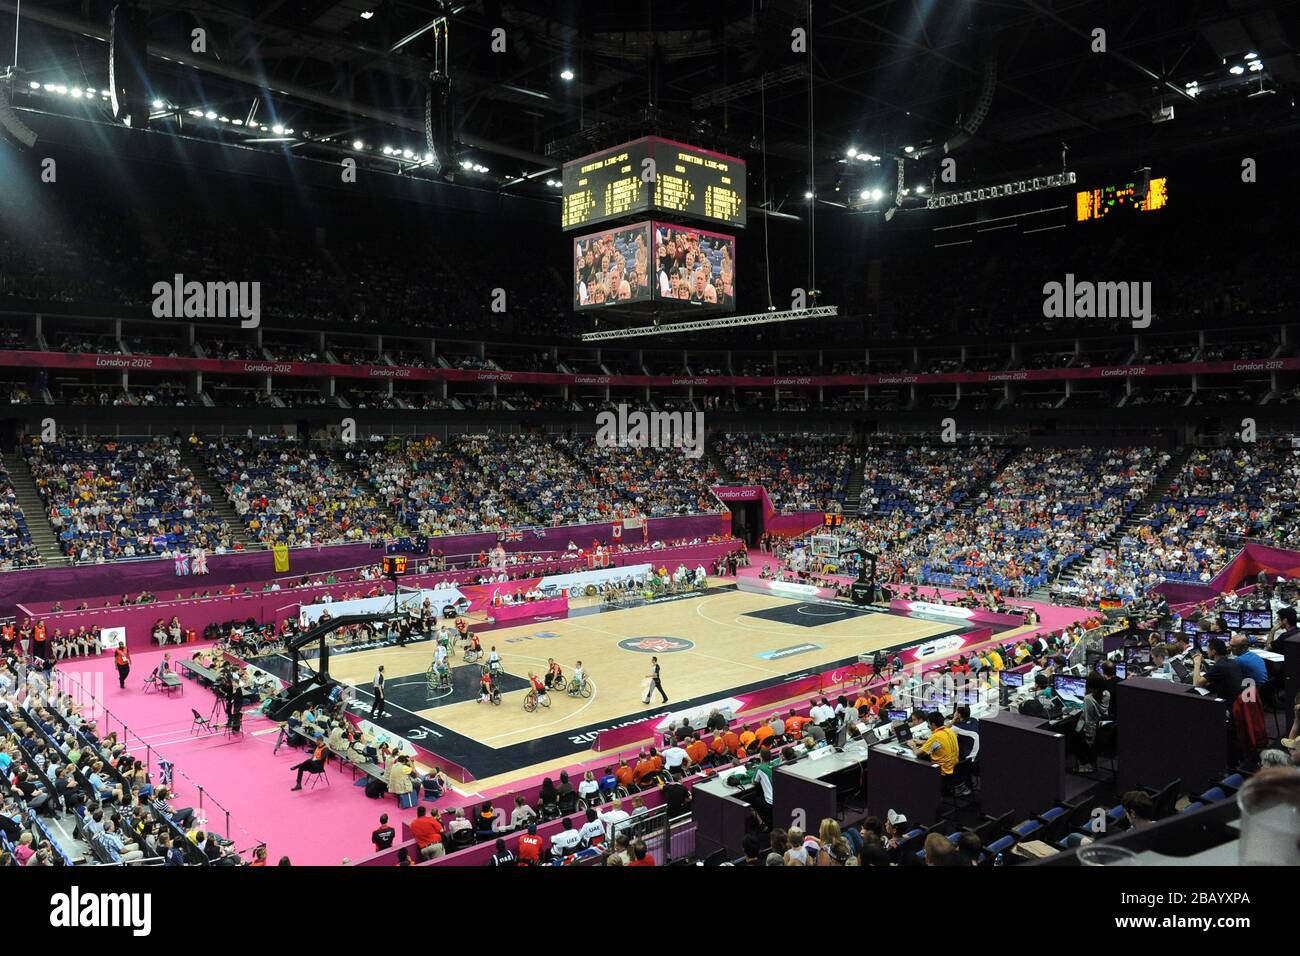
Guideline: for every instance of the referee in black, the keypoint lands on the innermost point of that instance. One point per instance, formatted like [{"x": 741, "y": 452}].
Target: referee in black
[{"x": 655, "y": 685}]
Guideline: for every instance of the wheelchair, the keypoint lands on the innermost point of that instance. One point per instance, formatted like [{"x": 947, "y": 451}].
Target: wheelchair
[
  {"x": 436, "y": 678},
  {"x": 575, "y": 689},
  {"x": 531, "y": 700},
  {"x": 469, "y": 655}
]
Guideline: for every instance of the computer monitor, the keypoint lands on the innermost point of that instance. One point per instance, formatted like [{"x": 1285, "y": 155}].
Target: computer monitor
[
  {"x": 1232, "y": 619},
  {"x": 896, "y": 715},
  {"x": 1121, "y": 668},
  {"x": 1180, "y": 670},
  {"x": 1191, "y": 627},
  {"x": 903, "y": 734},
  {"x": 1256, "y": 620},
  {"x": 1070, "y": 688},
  {"x": 1139, "y": 654},
  {"x": 1013, "y": 678}
]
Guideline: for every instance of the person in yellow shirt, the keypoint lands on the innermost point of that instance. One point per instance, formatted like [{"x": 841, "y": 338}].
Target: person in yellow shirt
[
  {"x": 995, "y": 660},
  {"x": 941, "y": 745}
]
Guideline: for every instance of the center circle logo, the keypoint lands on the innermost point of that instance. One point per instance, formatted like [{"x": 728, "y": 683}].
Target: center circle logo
[{"x": 656, "y": 645}]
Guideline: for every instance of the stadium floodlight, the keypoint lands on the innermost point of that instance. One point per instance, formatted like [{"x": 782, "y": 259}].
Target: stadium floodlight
[
  {"x": 358, "y": 145},
  {"x": 566, "y": 74},
  {"x": 709, "y": 325}
]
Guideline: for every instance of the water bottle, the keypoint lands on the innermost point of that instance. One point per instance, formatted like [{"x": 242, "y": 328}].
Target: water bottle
[{"x": 998, "y": 861}]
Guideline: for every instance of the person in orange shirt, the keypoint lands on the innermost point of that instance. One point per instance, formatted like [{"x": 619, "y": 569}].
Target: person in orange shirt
[
  {"x": 885, "y": 700},
  {"x": 764, "y": 733},
  {"x": 794, "y": 724},
  {"x": 747, "y": 736},
  {"x": 624, "y": 774},
  {"x": 721, "y": 751},
  {"x": 697, "y": 749},
  {"x": 644, "y": 767}
]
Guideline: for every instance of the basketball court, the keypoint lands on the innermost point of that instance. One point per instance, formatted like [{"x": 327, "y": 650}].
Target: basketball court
[{"x": 710, "y": 646}]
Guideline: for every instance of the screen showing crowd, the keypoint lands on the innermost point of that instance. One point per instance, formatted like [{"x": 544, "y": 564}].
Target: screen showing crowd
[
  {"x": 612, "y": 267},
  {"x": 694, "y": 267}
]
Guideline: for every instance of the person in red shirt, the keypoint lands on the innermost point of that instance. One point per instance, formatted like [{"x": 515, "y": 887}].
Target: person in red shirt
[
  {"x": 427, "y": 831},
  {"x": 539, "y": 686},
  {"x": 531, "y": 847},
  {"x": 640, "y": 855}
]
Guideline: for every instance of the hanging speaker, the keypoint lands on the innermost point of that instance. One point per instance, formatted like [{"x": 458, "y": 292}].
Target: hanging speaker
[
  {"x": 1142, "y": 185},
  {"x": 128, "y": 59},
  {"x": 438, "y": 122},
  {"x": 12, "y": 123}
]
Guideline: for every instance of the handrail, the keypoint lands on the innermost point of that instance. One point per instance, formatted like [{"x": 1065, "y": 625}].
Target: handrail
[{"x": 205, "y": 795}]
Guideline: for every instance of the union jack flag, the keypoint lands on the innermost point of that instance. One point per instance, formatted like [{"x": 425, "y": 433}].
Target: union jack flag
[
  {"x": 512, "y": 536},
  {"x": 539, "y": 532}
]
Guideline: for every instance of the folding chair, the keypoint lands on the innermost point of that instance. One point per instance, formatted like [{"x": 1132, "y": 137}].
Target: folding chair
[{"x": 200, "y": 723}]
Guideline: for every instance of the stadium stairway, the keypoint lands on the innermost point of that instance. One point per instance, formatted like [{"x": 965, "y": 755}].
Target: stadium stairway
[
  {"x": 1141, "y": 511},
  {"x": 716, "y": 461},
  {"x": 853, "y": 490},
  {"x": 220, "y": 500},
  {"x": 29, "y": 499}
]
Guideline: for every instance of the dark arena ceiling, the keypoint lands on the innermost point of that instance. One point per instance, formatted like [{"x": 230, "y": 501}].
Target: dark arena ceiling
[{"x": 1003, "y": 85}]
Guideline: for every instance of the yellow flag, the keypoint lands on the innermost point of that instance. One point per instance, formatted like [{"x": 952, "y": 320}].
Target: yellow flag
[{"x": 281, "y": 552}]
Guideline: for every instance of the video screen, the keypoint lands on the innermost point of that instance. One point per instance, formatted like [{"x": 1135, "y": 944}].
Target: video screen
[
  {"x": 1121, "y": 669},
  {"x": 1231, "y": 619},
  {"x": 896, "y": 714},
  {"x": 1072, "y": 688},
  {"x": 612, "y": 267},
  {"x": 1013, "y": 678},
  {"x": 694, "y": 267},
  {"x": 1256, "y": 620},
  {"x": 1191, "y": 627}
]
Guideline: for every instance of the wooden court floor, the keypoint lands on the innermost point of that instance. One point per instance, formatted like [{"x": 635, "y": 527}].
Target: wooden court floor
[{"x": 722, "y": 646}]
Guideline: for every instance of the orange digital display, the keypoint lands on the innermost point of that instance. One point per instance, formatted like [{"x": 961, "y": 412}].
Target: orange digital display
[{"x": 1097, "y": 203}]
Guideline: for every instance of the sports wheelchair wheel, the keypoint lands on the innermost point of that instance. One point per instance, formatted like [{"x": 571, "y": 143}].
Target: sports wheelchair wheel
[
  {"x": 585, "y": 689},
  {"x": 530, "y": 701},
  {"x": 495, "y": 698},
  {"x": 470, "y": 656}
]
